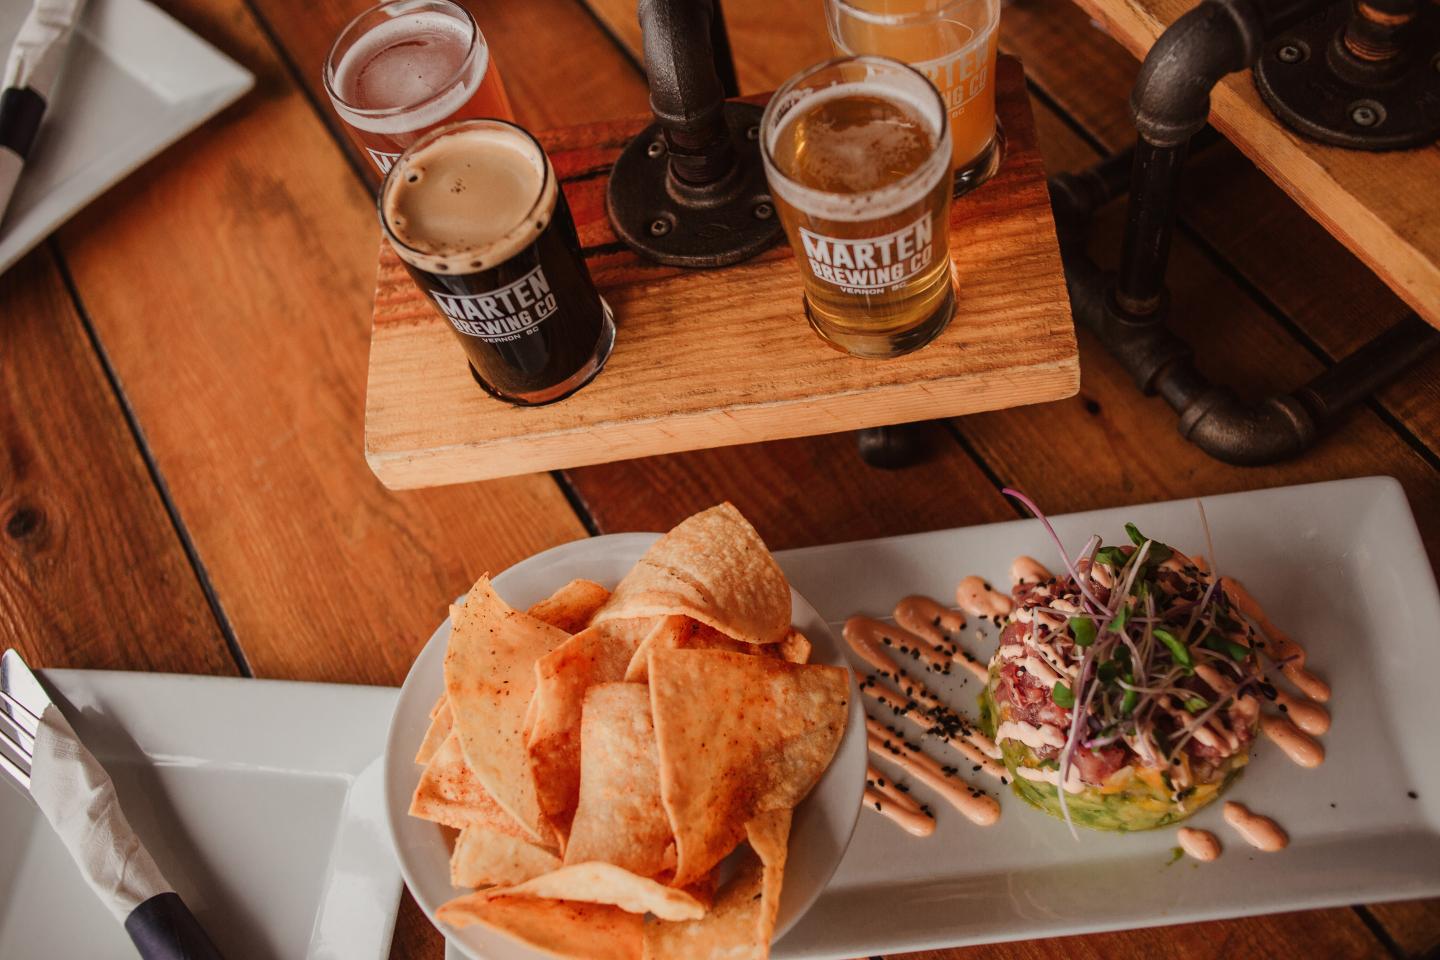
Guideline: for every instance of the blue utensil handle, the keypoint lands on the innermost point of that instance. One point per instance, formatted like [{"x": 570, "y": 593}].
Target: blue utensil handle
[{"x": 163, "y": 928}]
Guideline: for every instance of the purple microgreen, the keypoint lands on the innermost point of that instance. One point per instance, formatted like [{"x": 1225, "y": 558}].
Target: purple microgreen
[{"x": 1069, "y": 566}]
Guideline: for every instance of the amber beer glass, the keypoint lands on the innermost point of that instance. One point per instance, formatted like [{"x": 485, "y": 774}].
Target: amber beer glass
[
  {"x": 475, "y": 213},
  {"x": 952, "y": 42},
  {"x": 403, "y": 68},
  {"x": 857, "y": 153}
]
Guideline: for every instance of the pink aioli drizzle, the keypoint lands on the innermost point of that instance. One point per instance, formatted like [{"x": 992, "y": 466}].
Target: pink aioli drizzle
[
  {"x": 978, "y": 599},
  {"x": 1028, "y": 570},
  {"x": 882, "y": 796},
  {"x": 1297, "y": 745},
  {"x": 1280, "y": 646},
  {"x": 1306, "y": 714},
  {"x": 979, "y": 749},
  {"x": 1259, "y": 831},
  {"x": 1199, "y": 844},
  {"x": 979, "y": 808},
  {"x": 887, "y": 640}
]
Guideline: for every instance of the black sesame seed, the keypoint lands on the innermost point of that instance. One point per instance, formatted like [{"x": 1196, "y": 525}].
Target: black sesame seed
[{"x": 1412, "y": 794}]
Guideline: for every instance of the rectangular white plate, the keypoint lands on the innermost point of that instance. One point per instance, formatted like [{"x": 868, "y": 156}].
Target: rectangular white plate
[
  {"x": 259, "y": 799},
  {"x": 134, "y": 81},
  {"x": 1339, "y": 565}
]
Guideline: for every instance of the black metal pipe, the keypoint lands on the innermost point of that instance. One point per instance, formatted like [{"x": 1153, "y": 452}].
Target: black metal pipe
[
  {"x": 686, "y": 93},
  {"x": 1149, "y": 223}
]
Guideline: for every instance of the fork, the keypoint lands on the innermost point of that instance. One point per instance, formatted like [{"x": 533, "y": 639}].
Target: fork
[{"x": 161, "y": 926}]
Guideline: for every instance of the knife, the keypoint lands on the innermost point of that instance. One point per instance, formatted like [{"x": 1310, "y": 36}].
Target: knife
[{"x": 77, "y": 796}]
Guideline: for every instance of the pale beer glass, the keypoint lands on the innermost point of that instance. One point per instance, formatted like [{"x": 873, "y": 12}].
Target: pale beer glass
[
  {"x": 954, "y": 43},
  {"x": 403, "y": 68},
  {"x": 857, "y": 154}
]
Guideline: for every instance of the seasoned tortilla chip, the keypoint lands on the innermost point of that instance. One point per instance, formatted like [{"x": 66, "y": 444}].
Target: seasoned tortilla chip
[
  {"x": 483, "y": 856},
  {"x": 738, "y": 736},
  {"x": 620, "y": 818},
  {"x": 741, "y": 921},
  {"x": 489, "y": 679},
  {"x": 448, "y": 793},
  {"x": 591, "y": 931},
  {"x": 572, "y": 606},
  {"x": 597, "y": 654},
  {"x": 440, "y": 726},
  {"x": 795, "y": 647},
  {"x": 681, "y": 633},
  {"x": 607, "y": 883},
  {"x": 713, "y": 568}
]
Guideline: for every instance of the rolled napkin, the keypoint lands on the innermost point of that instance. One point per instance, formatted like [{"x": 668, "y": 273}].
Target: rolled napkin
[
  {"x": 29, "y": 77},
  {"x": 77, "y": 796}
]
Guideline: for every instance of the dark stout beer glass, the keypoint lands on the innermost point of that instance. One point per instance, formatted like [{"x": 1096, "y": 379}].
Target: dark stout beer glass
[
  {"x": 474, "y": 211},
  {"x": 403, "y": 68}
]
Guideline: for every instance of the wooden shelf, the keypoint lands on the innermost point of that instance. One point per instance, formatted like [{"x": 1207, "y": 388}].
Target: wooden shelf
[
  {"x": 1384, "y": 206},
  {"x": 712, "y": 358}
]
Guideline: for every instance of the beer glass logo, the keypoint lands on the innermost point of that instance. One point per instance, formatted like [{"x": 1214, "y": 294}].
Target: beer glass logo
[
  {"x": 961, "y": 78},
  {"x": 871, "y": 264},
  {"x": 383, "y": 160},
  {"x": 503, "y": 315}
]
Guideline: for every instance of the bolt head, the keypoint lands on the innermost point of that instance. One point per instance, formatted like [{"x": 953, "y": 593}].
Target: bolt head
[
  {"x": 1289, "y": 53},
  {"x": 655, "y": 149},
  {"x": 659, "y": 227},
  {"x": 763, "y": 211},
  {"x": 752, "y": 133},
  {"x": 1363, "y": 116}
]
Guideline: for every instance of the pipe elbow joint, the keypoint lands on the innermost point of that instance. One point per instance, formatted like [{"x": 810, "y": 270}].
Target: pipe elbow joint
[
  {"x": 1234, "y": 432},
  {"x": 1171, "y": 98}
]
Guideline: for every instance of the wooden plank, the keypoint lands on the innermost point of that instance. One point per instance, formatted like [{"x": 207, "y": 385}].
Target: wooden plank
[
  {"x": 1380, "y": 205},
  {"x": 1414, "y": 925},
  {"x": 92, "y": 573},
  {"x": 428, "y": 424}
]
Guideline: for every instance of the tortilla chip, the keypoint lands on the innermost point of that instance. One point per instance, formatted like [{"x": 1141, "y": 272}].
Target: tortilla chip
[
  {"x": 713, "y": 568},
  {"x": 769, "y": 836},
  {"x": 732, "y": 930},
  {"x": 554, "y": 927},
  {"x": 795, "y": 647},
  {"x": 448, "y": 793},
  {"x": 489, "y": 678},
  {"x": 483, "y": 856},
  {"x": 597, "y": 654},
  {"x": 681, "y": 633},
  {"x": 738, "y": 736},
  {"x": 572, "y": 606},
  {"x": 607, "y": 883},
  {"x": 620, "y": 818},
  {"x": 441, "y": 723}
]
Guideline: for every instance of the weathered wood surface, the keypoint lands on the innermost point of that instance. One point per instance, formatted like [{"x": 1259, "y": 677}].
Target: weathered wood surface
[
  {"x": 712, "y": 358},
  {"x": 254, "y": 239}
]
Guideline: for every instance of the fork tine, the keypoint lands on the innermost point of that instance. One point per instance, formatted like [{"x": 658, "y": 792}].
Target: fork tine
[
  {"x": 8, "y": 702},
  {"x": 17, "y": 735},
  {"x": 14, "y": 761},
  {"x": 18, "y": 714}
]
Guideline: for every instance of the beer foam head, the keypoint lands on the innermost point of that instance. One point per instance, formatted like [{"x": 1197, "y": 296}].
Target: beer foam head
[
  {"x": 406, "y": 72},
  {"x": 857, "y": 77},
  {"x": 468, "y": 197}
]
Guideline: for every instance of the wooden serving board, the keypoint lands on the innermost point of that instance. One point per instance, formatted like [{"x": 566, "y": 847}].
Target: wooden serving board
[{"x": 709, "y": 358}]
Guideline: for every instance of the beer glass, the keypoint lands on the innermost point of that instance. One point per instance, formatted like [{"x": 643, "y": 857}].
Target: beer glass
[
  {"x": 403, "y": 68},
  {"x": 474, "y": 211},
  {"x": 857, "y": 153},
  {"x": 953, "y": 42}
]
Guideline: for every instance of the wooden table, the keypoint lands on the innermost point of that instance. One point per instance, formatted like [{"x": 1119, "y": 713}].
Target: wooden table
[{"x": 182, "y": 372}]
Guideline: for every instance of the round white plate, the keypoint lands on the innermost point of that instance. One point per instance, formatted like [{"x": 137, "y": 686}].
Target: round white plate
[{"x": 823, "y": 822}]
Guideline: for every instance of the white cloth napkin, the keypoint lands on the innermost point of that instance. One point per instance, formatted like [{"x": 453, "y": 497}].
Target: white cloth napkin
[{"x": 76, "y": 796}]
